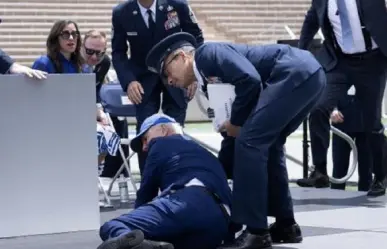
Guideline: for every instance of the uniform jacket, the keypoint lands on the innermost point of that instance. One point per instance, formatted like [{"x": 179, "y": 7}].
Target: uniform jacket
[{"x": 173, "y": 161}]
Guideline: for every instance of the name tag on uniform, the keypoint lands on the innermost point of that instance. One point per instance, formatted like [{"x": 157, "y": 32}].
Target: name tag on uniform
[
  {"x": 131, "y": 33},
  {"x": 172, "y": 20}
]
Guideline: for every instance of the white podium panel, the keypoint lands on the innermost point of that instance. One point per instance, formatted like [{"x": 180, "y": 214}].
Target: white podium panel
[{"x": 48, "y": 153}]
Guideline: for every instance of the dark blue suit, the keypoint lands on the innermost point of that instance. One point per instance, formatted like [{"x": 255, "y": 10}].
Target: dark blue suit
[
  {"x": 276, "y": 86},
  {"x": 353, "y": 127},
  {"x": 189, "y": 217},
  {"x": 367, "y": 71},
  {"x": 129, "y": 26},
  {"x": 5, "y": 62}
]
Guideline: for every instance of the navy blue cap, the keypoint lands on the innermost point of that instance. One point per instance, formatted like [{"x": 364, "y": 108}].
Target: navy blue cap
[
  {"x": 155, "y": 58},
  {"x": 155, "y": 119}
]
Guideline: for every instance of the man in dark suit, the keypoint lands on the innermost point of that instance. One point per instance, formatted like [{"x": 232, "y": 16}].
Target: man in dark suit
[
  {"x": 276, "y": 86},
  {"x": 348, "y": 118},
  {"x": 7, "y": 65},
  {"x": 142, "y": 24},
  {"x": 354, "y": 53},
  {"x": 193, "y": 208}
]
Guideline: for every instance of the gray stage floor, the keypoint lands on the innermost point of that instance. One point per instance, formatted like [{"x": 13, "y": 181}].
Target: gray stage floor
[{"x": 329, "y": 219}]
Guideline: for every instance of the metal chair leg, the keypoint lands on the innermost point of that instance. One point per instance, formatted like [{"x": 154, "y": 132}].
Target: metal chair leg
[
  {"x": 108, "y": 202},
  {"x": 126, "y": 166},
  {"x": 121, "y": 151}
]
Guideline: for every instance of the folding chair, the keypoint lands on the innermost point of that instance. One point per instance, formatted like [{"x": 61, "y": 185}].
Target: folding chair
[
  {"x": 108, "y": 203},
  {"x": 115, "y": 102}
]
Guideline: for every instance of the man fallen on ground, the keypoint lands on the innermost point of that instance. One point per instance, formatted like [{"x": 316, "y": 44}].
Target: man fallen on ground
[{"x": 192, "y": 210}]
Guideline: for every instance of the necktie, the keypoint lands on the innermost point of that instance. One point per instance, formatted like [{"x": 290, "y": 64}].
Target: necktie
[
  {"x": 151, "y": 23},
  {"x": 345, "y": 25}
]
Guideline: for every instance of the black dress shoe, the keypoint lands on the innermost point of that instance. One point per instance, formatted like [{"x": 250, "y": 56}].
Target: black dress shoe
[
  {"x": 315, "y": 179},
  {"x": 134, "y": 240},
  {"x": 127, "y": 241},
  {"x": 249, "y": 241},
  {"x": 285, "y": 234},
  {"x": 378, "y": 188},
  {"x": 232, "y": 231}
]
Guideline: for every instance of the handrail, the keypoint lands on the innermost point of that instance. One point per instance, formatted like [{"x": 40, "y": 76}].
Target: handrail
[
  {"x": 269, "y": 29},
  {"x": 290, "y": 32},
  {"x": 352, "y": 168}
]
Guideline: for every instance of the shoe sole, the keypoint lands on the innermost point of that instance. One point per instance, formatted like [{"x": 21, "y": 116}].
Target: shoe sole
[
  {"x": 376, "y": 194},
  {"x": 318, "y": 184},
  {"x": 302, "y": 185},
  {"x": 322, "y": 186},
  {"x": 130, "y": 240},
  {"x": 143, "y": 246},
  {"x": 295, "y": 240}
]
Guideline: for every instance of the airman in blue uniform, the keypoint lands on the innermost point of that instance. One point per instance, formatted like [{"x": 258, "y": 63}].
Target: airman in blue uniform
[
  {"x": 142, "y": 24},
  {"x": 5, "y": 62},
  {"x": 193, "y": 209},
  {"x": 276, "y": 86}
]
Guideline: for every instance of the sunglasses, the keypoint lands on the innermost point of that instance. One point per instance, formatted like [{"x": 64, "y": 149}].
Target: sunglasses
[
  {"x": 67, "y": 34},
  {"x": 90, "y": 52}
]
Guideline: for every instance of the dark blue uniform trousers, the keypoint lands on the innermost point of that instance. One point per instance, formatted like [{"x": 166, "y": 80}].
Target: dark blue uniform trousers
[
  {"x": 226, "y": 154},
  {"x": 341, "y": 152},
  {"x": 173, "y": 104},
  {"x": 190, "y": 218},
  {"x": 260, "y": 174}
]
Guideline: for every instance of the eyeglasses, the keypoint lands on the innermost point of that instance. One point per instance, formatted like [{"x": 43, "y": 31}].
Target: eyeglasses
[
  {"x": 90, "y": 52},
  {"x": 167, "y": 64},
  {"x": 67, "y": 34}
]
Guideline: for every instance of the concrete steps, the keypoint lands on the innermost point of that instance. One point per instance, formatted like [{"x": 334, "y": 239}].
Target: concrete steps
[
  {"x": 26, "y": 24},
  {"x": 253, "y": 21}
]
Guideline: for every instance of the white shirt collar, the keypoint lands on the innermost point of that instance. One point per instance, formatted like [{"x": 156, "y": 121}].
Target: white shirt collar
[
  {"x": 198, "y": 76},
  {"x": 144, "y": 10}
]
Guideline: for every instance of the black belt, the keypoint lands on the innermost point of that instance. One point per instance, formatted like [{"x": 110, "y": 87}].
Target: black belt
[
  {"x": 212, "y": 194},
  {"x": 361, "y": 56},
  {"x": 218, "y": 201}
]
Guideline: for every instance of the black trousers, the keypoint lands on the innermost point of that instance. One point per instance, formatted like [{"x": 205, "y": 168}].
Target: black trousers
[
  {"x": 341, "y": 151},
  {"x": 378, "y": 146},
  {"x": 113, "y": 163},
  {"x": 368, "y": 74}
]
